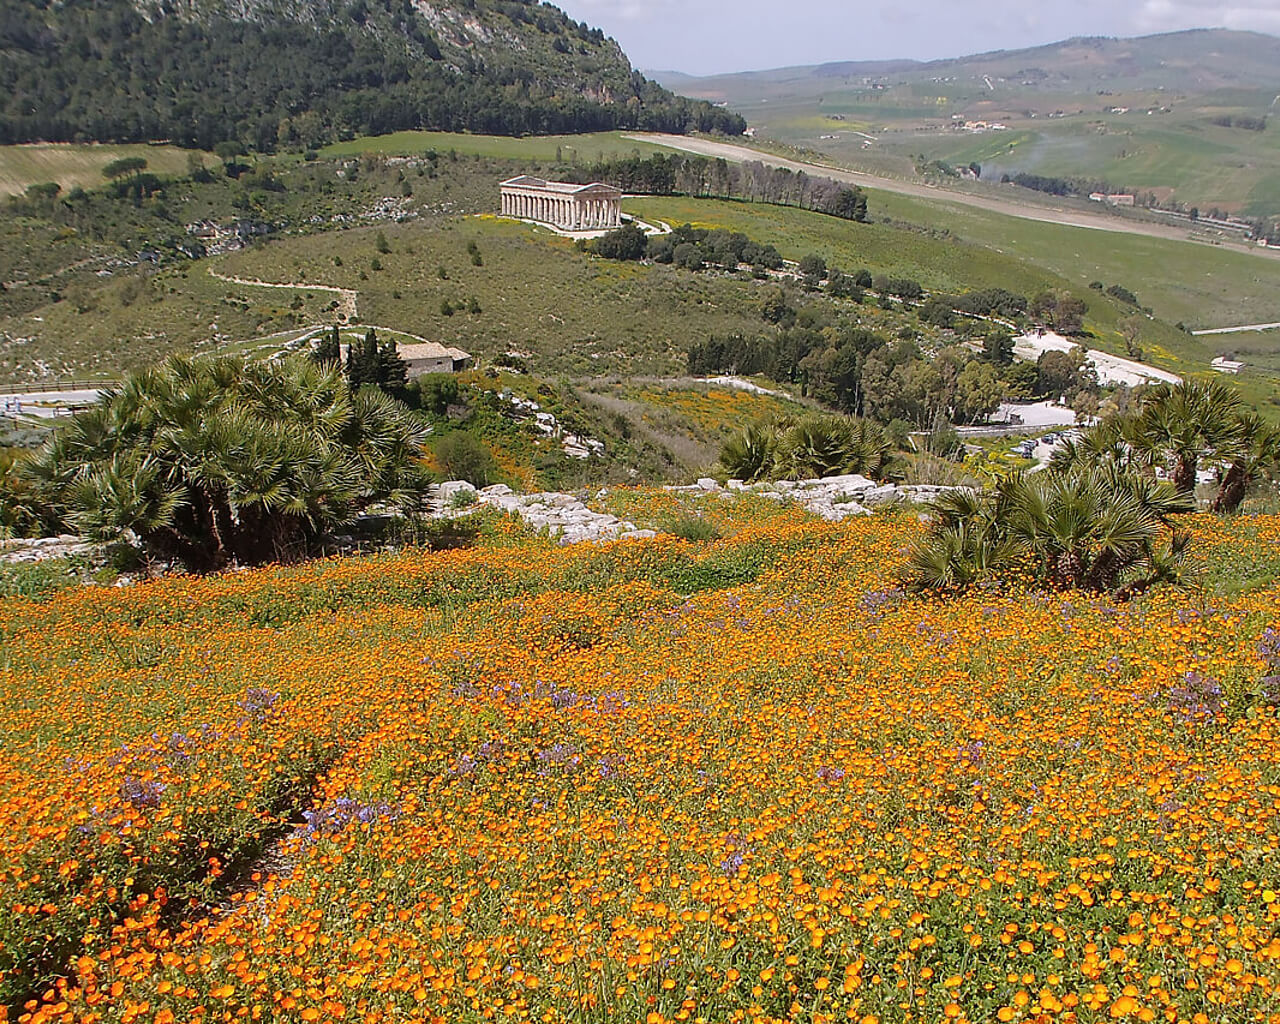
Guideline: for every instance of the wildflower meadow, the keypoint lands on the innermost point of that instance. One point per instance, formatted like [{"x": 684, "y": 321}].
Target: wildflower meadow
[{"x": 740, "y": 779}]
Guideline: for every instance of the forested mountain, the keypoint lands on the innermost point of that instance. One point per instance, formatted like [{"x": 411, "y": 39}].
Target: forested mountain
[{"x": 266, "y": 73}]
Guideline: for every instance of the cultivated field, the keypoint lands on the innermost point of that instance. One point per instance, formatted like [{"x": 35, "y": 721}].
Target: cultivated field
[
  {"x": 71, "y": 165},
  {"x": 547, "y": 148},
  {"x": 650, "y": 781}
]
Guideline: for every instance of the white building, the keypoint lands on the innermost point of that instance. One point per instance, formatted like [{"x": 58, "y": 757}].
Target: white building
[{"x": 563, "y": 204}]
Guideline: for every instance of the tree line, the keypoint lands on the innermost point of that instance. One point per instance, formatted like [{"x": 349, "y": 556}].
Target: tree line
[{"x": 704, "y": 177}]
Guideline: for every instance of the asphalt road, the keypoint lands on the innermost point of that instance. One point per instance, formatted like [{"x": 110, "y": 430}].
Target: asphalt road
[{"x": 46, "y": 404}]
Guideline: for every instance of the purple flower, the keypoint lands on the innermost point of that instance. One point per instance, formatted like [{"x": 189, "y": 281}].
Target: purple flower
[
  {"x": 826, "y": 774},
  {"x": 611, "y": 766},
  {"x": 1269, "y": 648},
  {"x": 731, "y": 864},
  {"x": 879, "y": 601},
  {"x": 343, "y": 812},
  {"x": 1197, "y": 697},
  {"x": 259, "y": 702},
  {"x": 556, "y": 758},
  {"x": 141, "y": 794}
]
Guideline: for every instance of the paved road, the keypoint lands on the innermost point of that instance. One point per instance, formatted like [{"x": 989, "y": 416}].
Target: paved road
[
  {"x": 1238, "y": 330},
  {"x": 1067, "y": 218},
  {"x": 46, "y": 404}
]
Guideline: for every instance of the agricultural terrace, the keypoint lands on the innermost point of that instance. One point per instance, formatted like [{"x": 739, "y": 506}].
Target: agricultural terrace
[{"x": 742, "y": 779}]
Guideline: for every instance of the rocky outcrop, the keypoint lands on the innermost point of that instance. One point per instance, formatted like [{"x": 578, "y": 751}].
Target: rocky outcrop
[
  {"x": 572, "y": 521},
  {"x": 833, "y": 498},
  {"x": 562, "y": 515}
]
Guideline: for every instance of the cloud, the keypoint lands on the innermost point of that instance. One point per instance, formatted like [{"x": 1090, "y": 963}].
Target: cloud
[{"x": 1171, "y": 15}]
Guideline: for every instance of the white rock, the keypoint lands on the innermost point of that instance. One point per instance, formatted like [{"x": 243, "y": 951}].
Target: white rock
[
  {"x": 446, "y": 491},
  {"x": 706, "y": 483}
]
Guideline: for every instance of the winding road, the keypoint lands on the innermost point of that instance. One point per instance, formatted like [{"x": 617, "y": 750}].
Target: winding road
[
  {"x": 1248, "y": 328},
  {"x": 348, "y": 296}
]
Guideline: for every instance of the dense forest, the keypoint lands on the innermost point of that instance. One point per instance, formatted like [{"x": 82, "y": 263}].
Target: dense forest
[
  {"x": 754, "y": 181},
  {"x": 109, "y": 72}
]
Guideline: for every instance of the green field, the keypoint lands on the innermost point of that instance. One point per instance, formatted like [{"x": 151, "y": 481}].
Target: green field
[
  {"x": 544, "y": 148},
  {"x": 1139, "y": 114},
  {"x": 72, "y": 165}
]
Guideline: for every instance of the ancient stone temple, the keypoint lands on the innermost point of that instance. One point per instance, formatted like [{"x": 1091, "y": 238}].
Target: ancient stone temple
[{"x": 562, "y": 204}]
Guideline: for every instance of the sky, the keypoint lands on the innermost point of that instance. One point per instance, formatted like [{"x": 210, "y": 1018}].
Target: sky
[{"x": 715, "y": 36}]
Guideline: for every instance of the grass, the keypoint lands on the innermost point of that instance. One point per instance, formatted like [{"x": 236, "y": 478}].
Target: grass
[
  {"x": 71, "y": 165},
  {"x": 543, "y": 148}
]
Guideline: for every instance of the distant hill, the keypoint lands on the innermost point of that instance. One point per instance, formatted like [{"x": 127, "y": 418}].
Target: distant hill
[
  {"x": 304, "y": 72},
  {"x": 1195, "y": 61}
]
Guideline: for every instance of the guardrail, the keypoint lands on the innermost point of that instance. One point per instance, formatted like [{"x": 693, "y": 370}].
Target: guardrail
[{"x": 41, "y": 387}]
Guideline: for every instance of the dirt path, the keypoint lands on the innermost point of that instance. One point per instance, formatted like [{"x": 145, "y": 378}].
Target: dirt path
[
  {"x": 1066, "y": 218},
  {"x": 346, "y": 306}
]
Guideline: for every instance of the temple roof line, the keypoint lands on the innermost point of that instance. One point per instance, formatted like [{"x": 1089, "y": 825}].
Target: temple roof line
[{"x": 566, "y": 188}]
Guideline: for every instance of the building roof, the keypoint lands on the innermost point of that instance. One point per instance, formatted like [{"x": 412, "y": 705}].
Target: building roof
[
  {"x": 430, "y": 350},
  {"x": 568, "y": 188}
]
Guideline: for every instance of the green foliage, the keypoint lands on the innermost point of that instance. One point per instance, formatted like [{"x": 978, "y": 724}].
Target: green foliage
[
  {"x": 300, "y": 81},
  {"x": 369, "y": 362},
  {"x": 997, "y": 347},
  {"x": 124, "y": 166},
  {"x": 329, "y": 349},
  {"x": 748, "y": 454},
  {"x": 463, "y": 456},
  {"x": 217, "y": 460},
  {"x": 1102, "y": 529},
  {"x": 1181, "y": 429},
  {"x": 37, "y": 580},
  {"x": 814, "y": 445},
  {"x": 667, "y": 174},
  {"x": 691, "y": 527},
  {"x": 628, "y": 242},
  {"x": 435, "y": 392}
]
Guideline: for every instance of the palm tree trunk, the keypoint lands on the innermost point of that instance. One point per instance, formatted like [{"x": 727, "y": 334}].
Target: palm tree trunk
[
  {"x": 1184, "y": 475},
  {"x": 1232, "y": 490}
]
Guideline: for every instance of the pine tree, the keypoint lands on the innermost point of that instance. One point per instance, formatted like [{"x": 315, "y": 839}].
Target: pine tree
[
  {"x": 329, "y": 350},
  {"x": 393, "y": 374},
  {"x": 362, "y": 360}
]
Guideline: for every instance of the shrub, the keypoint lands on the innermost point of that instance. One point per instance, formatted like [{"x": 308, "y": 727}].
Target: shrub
[
  {"x": 628, "y": 242},
  {"x": 692, "y": 528},
  {"x": 816, "y": 445},
  {"x": 463, "y": 456},
  {"x": 217, "y": 460},
  {"x": 1106, "y": 530}
]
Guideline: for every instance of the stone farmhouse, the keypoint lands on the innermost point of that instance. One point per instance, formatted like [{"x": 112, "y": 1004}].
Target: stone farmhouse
[
  {"x": 426, "y": 357},
  {"x": 562, "y": 204},
  {"x": 432, "y": 357}
]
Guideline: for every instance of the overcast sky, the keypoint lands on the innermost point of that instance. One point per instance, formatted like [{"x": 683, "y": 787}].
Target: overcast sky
[{"x": 713, "y": 36}]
